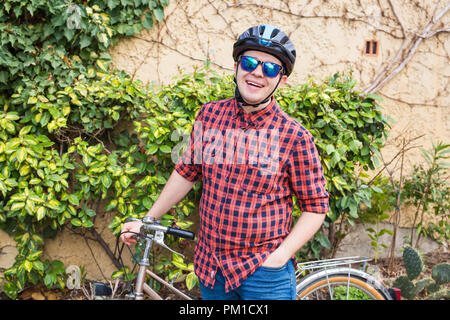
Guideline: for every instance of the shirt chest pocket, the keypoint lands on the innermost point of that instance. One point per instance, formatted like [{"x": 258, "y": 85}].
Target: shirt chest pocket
[
  {"x": 255, "y": 179},
  {"x": 213, "y": 167}
]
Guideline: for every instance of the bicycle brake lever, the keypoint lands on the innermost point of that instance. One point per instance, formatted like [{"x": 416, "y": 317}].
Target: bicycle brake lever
[{"x": 159, "y": 239}]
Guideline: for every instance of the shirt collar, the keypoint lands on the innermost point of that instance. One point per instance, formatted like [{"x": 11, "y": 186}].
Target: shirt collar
[{"x": 257, "y": 117}]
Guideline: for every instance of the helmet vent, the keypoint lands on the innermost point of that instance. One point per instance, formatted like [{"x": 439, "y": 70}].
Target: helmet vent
[
  {"x": 261, "y": 30},
  {"x": 274, "y": 33},
  {"x": 284, "y": 40}
]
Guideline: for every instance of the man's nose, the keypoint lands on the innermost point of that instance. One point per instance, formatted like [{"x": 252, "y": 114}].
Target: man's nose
[{"x": 258, "y": 70}]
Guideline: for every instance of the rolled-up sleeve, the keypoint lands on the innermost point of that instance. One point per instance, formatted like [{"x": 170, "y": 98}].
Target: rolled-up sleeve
[{"x": 306, "y": 175}]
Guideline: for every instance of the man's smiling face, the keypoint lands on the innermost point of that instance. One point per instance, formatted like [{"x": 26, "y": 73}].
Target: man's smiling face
[{"x": 254, "y": 86}]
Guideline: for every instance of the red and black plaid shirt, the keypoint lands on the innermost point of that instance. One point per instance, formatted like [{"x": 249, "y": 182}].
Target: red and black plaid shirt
[{"x": 250, "y": 164}]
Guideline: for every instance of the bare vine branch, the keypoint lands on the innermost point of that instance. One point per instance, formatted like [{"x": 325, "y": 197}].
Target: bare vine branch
[
  {"x": 390, "y": 23},
  {"x": 384, "y": 77}
]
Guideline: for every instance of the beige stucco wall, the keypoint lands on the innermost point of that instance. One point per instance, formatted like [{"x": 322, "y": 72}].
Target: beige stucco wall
[{"x": 329, "y": 37}]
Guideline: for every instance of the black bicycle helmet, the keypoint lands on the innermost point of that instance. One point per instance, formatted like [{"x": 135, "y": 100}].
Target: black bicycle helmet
[{"x": 270, "y": 39}]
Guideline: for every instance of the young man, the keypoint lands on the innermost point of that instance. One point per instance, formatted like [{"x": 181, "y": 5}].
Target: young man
[{"x": 253, "y": 157}]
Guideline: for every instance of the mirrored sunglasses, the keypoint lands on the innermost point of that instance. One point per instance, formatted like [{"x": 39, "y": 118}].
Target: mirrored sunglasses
[{"x": 269, "y": 69}]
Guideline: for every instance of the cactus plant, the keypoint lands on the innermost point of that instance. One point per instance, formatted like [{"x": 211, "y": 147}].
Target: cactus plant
[
  {"x": 406, "y": 286},
  {"x": 441, "y": 273},
  {"x": 420, "y": 285},
  {"x": 433, "y": 287},
  {"x": 430, "y": 286},
  {"x": 413, "y": 262}
]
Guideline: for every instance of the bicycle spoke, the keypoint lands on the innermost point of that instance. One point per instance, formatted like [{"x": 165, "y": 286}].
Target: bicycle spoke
[
  {"x": 330, "y": 290},
  {"x": 348, "y": 283}
]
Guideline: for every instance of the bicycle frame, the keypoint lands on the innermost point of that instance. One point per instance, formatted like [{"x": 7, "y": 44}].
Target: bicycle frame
[{"x": 142, "y": 287}]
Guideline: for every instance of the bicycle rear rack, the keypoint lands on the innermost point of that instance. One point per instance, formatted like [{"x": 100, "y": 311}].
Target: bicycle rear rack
[{"x": 331, "y": 263}]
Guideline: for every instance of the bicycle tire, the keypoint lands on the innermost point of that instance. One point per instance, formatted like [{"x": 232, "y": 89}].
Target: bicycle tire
[{"x": 318, "y": 282}]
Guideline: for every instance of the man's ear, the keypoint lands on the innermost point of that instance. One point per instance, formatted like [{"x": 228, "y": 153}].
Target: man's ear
[{"x": 283, "y": 80}]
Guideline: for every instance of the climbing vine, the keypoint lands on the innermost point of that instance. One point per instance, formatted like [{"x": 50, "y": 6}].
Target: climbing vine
[{"x": 57, "y": 118}]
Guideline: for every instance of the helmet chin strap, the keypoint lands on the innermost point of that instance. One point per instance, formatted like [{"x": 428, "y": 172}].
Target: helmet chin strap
[{"x": 241, "y": 100}]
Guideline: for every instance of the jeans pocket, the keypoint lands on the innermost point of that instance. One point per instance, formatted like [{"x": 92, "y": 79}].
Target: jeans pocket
[
  {"x": 273, "y": 269},
  {"x": 268, "y": 283}
]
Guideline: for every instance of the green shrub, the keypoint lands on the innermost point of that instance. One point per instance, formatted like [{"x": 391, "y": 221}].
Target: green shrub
[{"x": 56, "y": 117}]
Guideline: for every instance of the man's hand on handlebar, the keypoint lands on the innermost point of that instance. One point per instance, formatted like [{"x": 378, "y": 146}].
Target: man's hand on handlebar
[{"x": 132, "y": 226}]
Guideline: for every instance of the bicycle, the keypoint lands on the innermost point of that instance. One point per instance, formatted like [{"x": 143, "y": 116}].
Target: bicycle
[
  {"x": 332, "y": 277},
  {"x": 321, "y": 279}
]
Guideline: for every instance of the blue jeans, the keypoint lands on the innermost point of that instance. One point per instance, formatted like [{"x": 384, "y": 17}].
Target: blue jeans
[{"x": 265, "y": 283}]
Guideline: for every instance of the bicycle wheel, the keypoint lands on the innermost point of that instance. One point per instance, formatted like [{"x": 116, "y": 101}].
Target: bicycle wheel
[{"x": 341, "y": 284}]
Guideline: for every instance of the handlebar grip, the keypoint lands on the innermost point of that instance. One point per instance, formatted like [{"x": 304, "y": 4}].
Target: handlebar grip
[{"x": 181, "y": 233}]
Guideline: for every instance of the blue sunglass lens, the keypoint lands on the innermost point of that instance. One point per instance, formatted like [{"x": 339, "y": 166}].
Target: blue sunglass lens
[
  {"x": 271, "y": 69},
  {"x": 249, "y": 64}
]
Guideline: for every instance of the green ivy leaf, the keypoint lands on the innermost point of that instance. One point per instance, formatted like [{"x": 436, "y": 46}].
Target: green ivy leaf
[
  {"x": 11, "y": 290},
  {"x": 148, "y": 21},
  {"x": 40, "y": 213},
  {"x": 125, "y": 181},
  {"x": 180, "y": 265},
  {"x": 50, "y": 279},
  {"x": 88, "y": 224},
  {"x": 111, "y": 205},
  {"x": 76, "y": 222},
  {"x": 131, "y": 171},
  {"x": 12, "y": 145},
  {"x": 323, "y": 240},
  {"x": 21, "y": 154},
  {"x": 165, "y": 149},
  {"x": 34, "y": 255},
  {"x": 191, "y": 280},
  {"x": 4, "y": 76},
  {"x": 32, "y": 100},
  {"x": 354, "y": 145},
  {"x": 73, "y": 199},
  {"x": 152, "y": 149},
  {"x": 38, "y": 266},
  {"x": 85, "y": 41},
  {"x": 28, "y": 265},
  {"x": 17, "y": 206},
  {"x": 147, "y": 202},
  {"x": 53, "y": 204},
  {"x": 159, "y": 13},
  {"x": 106, "y": 181}
]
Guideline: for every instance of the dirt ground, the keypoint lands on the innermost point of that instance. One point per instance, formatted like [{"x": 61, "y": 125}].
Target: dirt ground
[{"x": 380, "y": 269}]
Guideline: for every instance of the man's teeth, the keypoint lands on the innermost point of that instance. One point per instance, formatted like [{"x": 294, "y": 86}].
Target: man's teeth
[{"x": 254, "y": 84}]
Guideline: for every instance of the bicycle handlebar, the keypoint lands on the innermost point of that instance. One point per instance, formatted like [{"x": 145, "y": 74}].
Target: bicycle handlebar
[
  {"x": 151, "y": 224},
  {"x": 181, "y": 233}
]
